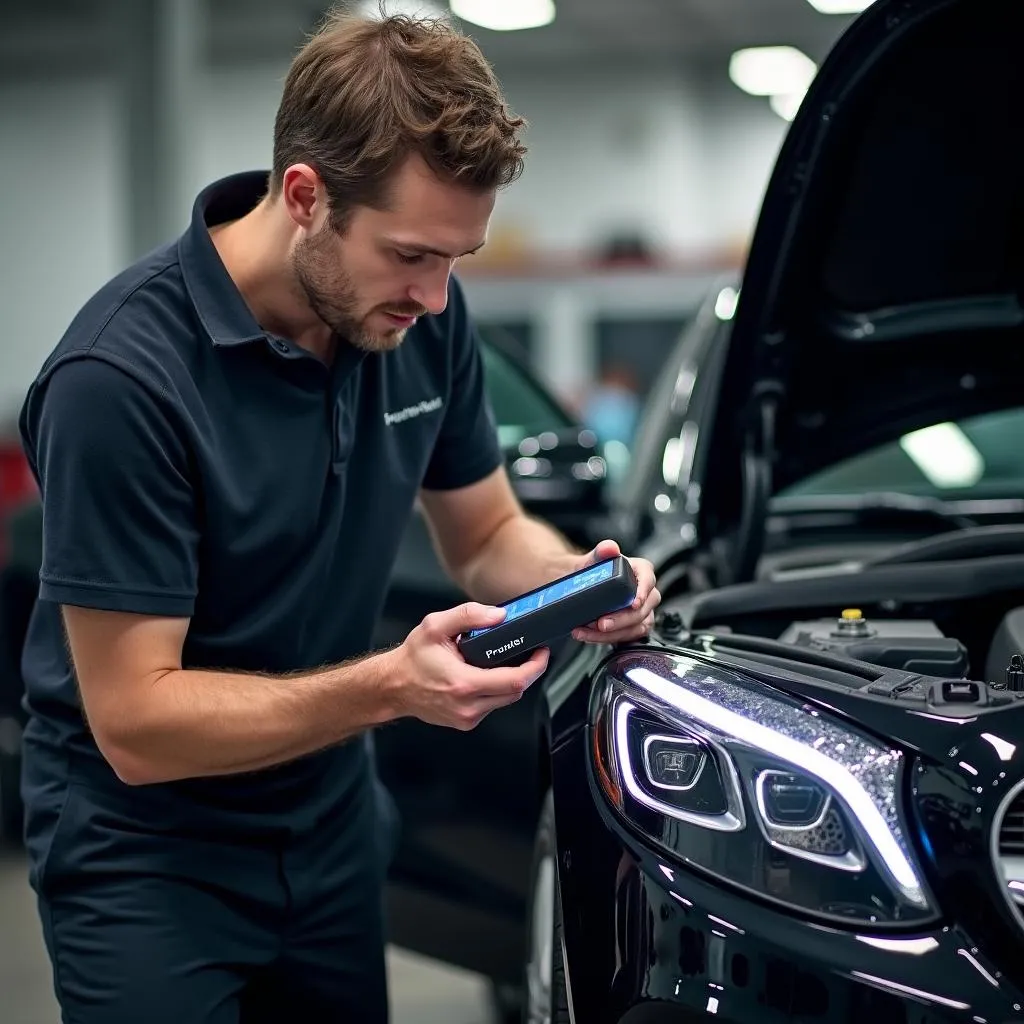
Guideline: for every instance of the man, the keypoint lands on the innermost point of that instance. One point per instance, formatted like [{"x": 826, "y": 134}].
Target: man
[{"x": 229, "y": 440}]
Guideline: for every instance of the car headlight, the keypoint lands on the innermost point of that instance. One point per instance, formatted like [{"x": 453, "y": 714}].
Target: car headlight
[{"x": 754, "y": 787}]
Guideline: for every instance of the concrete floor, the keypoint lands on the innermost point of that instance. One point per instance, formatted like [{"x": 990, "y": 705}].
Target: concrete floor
[{"x": 422, "y": 992}]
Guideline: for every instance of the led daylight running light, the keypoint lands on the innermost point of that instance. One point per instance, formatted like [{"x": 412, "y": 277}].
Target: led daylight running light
[
  {"x": 810, "y": 760},
  {"x": 505, "y": 15}
]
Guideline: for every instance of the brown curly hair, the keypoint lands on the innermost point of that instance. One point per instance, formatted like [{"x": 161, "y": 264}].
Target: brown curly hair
[{"x": 363, "y": 94}]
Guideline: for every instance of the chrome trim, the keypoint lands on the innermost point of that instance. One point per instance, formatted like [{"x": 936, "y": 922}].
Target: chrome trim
[
  {"x": 648, "y": 740},
  {"x": 852, "y": 861},
  {"x": 759, "y": 787},
  {"x": 732, "y": 820},
  {"x": 1010, "y": 869}
]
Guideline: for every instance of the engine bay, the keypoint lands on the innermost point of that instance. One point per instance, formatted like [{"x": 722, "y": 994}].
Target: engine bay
[{"x": 963, "y": 652}]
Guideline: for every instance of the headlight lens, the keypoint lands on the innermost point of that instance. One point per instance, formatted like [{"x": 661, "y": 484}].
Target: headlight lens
[{"x": 756, "y": 788}]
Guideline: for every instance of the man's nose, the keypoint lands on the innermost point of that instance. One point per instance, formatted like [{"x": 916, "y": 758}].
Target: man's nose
[{"x": 432, "y": 292}]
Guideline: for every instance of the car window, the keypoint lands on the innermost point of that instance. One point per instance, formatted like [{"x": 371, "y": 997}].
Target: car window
[
  {"x": 521, "y": 405},
  {"x": 978, "y": 457}
]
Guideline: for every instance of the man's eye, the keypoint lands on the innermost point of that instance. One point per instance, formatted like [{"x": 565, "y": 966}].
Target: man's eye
[{"x": 416, "y": 257}]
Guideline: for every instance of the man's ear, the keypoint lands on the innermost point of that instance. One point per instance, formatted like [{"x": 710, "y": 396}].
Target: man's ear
[{"x": 304, "y": 196}]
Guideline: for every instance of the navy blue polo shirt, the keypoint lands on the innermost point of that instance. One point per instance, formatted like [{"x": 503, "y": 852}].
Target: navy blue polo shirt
[{"x": 191, "y": 464}]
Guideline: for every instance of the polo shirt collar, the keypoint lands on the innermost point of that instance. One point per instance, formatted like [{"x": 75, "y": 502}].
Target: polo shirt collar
[{"x": 217, "y": 300}]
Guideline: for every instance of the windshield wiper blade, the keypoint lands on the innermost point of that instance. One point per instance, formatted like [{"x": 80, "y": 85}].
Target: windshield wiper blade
[{"x": 872, "y": 505}]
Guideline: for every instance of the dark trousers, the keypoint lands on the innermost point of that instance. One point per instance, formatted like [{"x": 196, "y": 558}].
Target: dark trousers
[{"x": 180, "y": 931}]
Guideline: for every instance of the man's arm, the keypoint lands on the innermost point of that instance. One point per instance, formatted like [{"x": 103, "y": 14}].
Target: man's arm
[
  {"x": 494, "y": 551},
  {"x": 156, "y": 722},
  {"x": 485, "y": 540},
  {"x": 121, "y": 559},
  {"x": 489, "y": 545}
]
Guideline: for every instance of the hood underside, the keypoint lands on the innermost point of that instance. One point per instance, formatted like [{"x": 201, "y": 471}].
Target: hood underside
[{"x": 883, "y": 289}]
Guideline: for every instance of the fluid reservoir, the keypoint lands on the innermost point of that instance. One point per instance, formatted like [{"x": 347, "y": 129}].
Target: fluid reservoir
[{"x": 913, "y": 645}]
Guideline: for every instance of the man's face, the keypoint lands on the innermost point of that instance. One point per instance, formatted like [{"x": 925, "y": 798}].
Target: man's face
[{"x": 391, "y": 266}]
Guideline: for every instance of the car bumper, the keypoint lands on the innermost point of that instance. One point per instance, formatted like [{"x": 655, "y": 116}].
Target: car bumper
[{"x": 646, "y": 940}]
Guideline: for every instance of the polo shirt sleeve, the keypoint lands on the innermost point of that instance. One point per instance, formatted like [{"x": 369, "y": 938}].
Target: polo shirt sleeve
[
  {"x": 119, "y": 505},
  {"x": 467, "y": 447}
]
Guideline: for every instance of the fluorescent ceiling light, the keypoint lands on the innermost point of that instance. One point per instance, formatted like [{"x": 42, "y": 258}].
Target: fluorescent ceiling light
[
  {"x": 945, "y": 455},
  {"x": 410, "y": 8},
  {"x": 505, "y": 15},
  {"x": 840, "y": 6},
  {"x": 771, "y": 70},
  {"x": 786, "y": 104}
]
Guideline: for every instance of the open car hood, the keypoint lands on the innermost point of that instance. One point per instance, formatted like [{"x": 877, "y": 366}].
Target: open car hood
[{"x": 883, "y": 287}]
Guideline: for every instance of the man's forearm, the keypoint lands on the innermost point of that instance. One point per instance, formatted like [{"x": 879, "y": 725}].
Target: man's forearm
[
  {"x": 199, "y": 723},
  {"x": 522, "y": 554}
]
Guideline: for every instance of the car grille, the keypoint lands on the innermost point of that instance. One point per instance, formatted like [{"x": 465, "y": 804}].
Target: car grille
[
  {"x": 1011, "y": 834},
  {"x": 1009, "y": 848}
]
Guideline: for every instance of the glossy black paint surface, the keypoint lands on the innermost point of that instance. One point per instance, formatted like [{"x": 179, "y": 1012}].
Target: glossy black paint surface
[
  {"x": 641, "y": 928},
  {"x": 860, "y": 311}
]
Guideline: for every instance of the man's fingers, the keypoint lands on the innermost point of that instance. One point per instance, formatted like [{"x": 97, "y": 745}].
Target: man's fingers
[
  {"x": 631, "y": 628},
  {"x": 509, "y": 681},
  {"x": 652, "y": 601},
  {"x": 462, "y": 618},
  {"x": 645, "y": 579},
  {"x": 612, "y": 625},
  {"x": 605, "y": 549},
  {"x": 619, "y": 636}
]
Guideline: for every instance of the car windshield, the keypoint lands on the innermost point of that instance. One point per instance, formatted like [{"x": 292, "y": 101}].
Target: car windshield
[{"x": 975, "y": 458}]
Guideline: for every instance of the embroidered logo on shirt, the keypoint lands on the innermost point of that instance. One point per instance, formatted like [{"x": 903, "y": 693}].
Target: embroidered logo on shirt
[{"x": 411, "y": 411}]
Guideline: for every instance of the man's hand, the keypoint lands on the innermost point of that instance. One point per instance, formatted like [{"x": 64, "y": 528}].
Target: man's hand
[
  {"x": 633, "y": 622},
  {"x": 434, "y": 683}
]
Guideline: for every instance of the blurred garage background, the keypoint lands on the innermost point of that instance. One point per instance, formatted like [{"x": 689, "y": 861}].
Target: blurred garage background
[{"x": 653, "y": 128}]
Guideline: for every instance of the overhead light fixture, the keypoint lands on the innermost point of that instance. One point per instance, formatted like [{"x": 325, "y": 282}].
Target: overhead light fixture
[
  {"x": 945, "y": 455},
  {"x": 410, "y": 8},
  {"x": 771, "y": 70},
  {"x": 505, "y": 15},
  {"x": 840, "y": 6},
  {"x": 786, "y": 104}
]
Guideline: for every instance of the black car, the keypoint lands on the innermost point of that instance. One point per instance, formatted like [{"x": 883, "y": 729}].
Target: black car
[{"x": 803, "y": 798}]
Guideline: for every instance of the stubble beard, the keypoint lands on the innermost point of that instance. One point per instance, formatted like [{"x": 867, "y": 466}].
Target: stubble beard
[{"x": 332, "y": 297}]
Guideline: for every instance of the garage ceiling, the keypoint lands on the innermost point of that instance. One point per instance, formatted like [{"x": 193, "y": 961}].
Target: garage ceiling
[
  {"x": 702, "y": 33},
  {"x": 695, "y": 30}
]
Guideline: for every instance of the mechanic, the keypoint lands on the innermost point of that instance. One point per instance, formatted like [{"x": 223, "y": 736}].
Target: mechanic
[{"x": 229, "y": 440}]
